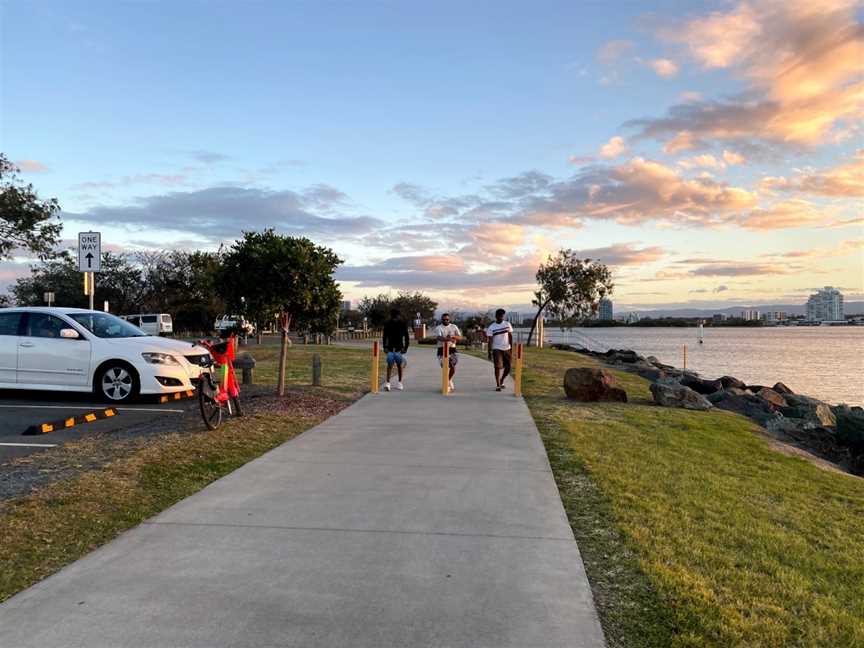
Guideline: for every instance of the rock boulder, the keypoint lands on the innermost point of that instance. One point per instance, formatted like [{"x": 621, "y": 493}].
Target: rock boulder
[
  {"x": 729, "y": 381},
  {"x": 592, "y": 385},
  {"x": 772, "y": 397},
  {"x": 675, "y": 395},
  {"x": 782, "y": 389}
]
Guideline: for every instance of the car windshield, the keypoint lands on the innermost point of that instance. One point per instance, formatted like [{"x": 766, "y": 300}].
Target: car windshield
[{"x": 104, "y": 325}]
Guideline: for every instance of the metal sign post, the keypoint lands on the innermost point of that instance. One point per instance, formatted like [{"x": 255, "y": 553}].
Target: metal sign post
[
  {"x": 49, "y": 298},
  {"x": 89, "y": 260}
]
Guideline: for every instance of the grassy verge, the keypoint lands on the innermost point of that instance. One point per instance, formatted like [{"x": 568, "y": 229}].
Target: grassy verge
[
  {"x": 694, "y": 532},
  {"x": 64, "y": 520}
]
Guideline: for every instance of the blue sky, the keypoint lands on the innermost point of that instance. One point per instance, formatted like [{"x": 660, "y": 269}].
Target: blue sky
[{"x": 448, "y": 147}]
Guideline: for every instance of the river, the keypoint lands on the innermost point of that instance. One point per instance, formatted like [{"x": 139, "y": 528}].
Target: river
[{"x": 826, "y": 362}]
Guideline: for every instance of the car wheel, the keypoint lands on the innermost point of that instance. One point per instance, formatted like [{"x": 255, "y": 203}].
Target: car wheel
[{"x": 117, "y": 383}]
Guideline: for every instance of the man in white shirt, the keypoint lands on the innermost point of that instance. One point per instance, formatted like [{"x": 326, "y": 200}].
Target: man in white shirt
[
  {"x": 499, "y": 342},
  {"x": 449, "y": 334}
]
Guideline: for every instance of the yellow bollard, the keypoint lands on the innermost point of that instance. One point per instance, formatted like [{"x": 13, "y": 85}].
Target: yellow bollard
[
  {"x": 517, "y": 372},
  {"x": 445, "y": 369},
  {"x": 685, "y": 356},
  {"x": 375, "y": 362}
]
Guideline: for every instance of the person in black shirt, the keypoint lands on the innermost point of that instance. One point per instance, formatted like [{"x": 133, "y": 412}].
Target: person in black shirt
[{"x": 396, "y": 340}]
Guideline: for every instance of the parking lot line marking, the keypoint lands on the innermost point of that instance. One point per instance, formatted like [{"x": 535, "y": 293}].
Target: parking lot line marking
[
  {"x": 29, "y": 445},
  {"x": 75, "y": 407}
]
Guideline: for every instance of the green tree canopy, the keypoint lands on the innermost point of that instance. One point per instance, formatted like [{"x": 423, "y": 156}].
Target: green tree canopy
[
  {"x": 182, "y": 283},
  {"x": 25, "y": 221},
  {"x": 119, "y": 283},
  {"x": 265, "y": 274},
  {"x": 377, "y": 309},
  {"x": 570, "y": 287}
]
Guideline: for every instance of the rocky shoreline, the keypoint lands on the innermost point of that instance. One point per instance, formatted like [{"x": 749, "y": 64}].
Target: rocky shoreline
[{"x": 833, "y": 432}]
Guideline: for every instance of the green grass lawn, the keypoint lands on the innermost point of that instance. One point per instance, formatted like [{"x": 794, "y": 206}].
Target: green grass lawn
[
  {"x": 693, "y": 530},
  {"x": 62, "y": 521}
]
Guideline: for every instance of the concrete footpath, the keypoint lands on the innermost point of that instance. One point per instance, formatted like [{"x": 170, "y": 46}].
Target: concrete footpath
[{"x": 410, "y": 519}]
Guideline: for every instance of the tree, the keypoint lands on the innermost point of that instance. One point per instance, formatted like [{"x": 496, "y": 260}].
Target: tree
[
  {"x": 266, "y": 274},
  {"x": 25, "y": 220},
  {"x": 409, "y": 304},
  {"x": 182, "y": 283},
  {"x": 377, "y": 309},
  {"x": 119, "y": 283},
  {"x": 570, "y": 287}
]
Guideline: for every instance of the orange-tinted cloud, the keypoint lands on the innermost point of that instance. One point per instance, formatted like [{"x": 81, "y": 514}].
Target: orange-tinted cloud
[
  {"x": 791, "y": 213},
  {"x": 802, "y": 60},
  {"x": 664, "y": 68},
  {"x": 843, "y": 181},
  {"x": 613, "y": 148},
  {"x": 31, "y": 166}
]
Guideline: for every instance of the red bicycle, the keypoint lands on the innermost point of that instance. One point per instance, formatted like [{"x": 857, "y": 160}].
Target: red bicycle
[{"x": 220, "y": 398}]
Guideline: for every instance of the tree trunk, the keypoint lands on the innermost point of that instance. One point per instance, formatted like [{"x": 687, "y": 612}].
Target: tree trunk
[
  {"x": 534, "y": 323},
  {"x": 285, "y": 321}
]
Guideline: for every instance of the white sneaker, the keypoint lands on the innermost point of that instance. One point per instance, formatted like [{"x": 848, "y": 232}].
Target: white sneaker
[
  {"x": 399, "y": 386},
  {"x": 451, "y": 386},
  {"x": 387, "y": 386}
]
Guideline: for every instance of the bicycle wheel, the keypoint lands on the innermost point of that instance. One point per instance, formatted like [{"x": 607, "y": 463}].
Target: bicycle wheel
[{"x": 211, "y": 410}]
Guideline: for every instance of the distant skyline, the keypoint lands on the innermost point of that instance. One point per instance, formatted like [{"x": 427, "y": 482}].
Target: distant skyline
[{"x": 712, "y": 153}]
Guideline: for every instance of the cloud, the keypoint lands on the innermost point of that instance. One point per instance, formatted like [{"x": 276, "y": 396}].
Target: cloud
[
  {"x": 731, "y": 158},
  {"x": 843, "y": 181},
  {"x": 419, "y": 273},
  {"x": 664, "y": 68},
  {"x": 623, "y": 254},
  {"x": 162, "y": 179},
  {"x": 614, "y": 50},
  {"x": 581, "y": 160},
  {"x": 220, "y": 213},
  {"x": 735, "y": 269},
  {"x": 683, "y": 141},
  {"x": 208, "y": 157},
  {"x": 702, "y": 161},
  {"x": 782, "y": 215},
  {"x": 31, "y": 166},
  {"x": 613, "y": 148},
  {"x": 800, "y": 61},
  {"x": 635, "y": 192},
  {"x": 721, "y": 288},
  {"x": 521, "y": 185}
]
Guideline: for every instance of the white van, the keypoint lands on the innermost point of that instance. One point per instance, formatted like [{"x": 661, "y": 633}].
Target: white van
[
  {"x": 152, "y": 323},
  {"x": 228, "y": 322}
]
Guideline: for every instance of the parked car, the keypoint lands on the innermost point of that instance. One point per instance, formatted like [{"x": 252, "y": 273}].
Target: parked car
[
  {"x": 238, "y": 323},
  {"x": 78, "y": 350},
  {"x": 152, "y": 323}
]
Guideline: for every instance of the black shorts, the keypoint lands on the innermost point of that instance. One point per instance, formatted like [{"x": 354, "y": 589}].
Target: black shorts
[{"x": 501, "y": 359}]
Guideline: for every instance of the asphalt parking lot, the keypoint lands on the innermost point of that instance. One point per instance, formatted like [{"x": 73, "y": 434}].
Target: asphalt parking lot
[{"x": 21, "y": 409}]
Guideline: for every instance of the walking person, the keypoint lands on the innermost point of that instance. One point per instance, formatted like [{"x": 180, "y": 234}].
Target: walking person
[
  {"x": 499, "y": 336},
  {"x": 395, "y": 342},
  {"x": 448, "y": 333}
]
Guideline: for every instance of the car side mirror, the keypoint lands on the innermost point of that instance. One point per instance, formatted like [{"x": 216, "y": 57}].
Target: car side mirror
[{"x": 69, "y": 334}]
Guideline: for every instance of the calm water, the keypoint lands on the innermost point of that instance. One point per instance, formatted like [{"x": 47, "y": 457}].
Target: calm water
[{"x": 823, "y": 362}]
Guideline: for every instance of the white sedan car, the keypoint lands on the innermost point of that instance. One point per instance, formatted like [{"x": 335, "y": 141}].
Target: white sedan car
[{"x": 78, "y": 350}]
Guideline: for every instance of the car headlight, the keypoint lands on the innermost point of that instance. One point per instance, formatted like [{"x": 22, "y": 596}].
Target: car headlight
[{"x": 160, "y": 358}]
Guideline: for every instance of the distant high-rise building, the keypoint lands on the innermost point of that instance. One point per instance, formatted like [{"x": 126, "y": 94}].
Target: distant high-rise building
[
  {"x": 605, "y": 309},
  {"x": 718, "y": 317},
  {"x": 346, "y": 306},
  {"x": 825, "y": 305},
  {"x": 774, "y": 317},
  {"x": 750, "y": 314},
  {"x": 514, "y": 318}
]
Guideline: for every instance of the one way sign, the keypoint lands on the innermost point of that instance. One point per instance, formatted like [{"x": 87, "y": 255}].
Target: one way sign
[{"x": 89, "y": 251}]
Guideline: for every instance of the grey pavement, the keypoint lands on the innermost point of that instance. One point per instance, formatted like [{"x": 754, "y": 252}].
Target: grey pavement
[{"x": 410, "y": 519}]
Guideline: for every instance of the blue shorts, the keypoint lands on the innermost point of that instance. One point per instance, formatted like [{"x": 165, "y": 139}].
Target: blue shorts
[{"x": 394, "y": 357}]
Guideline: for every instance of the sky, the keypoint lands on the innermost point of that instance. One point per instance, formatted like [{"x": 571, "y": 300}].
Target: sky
[{"x": 711, "y": 153}]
